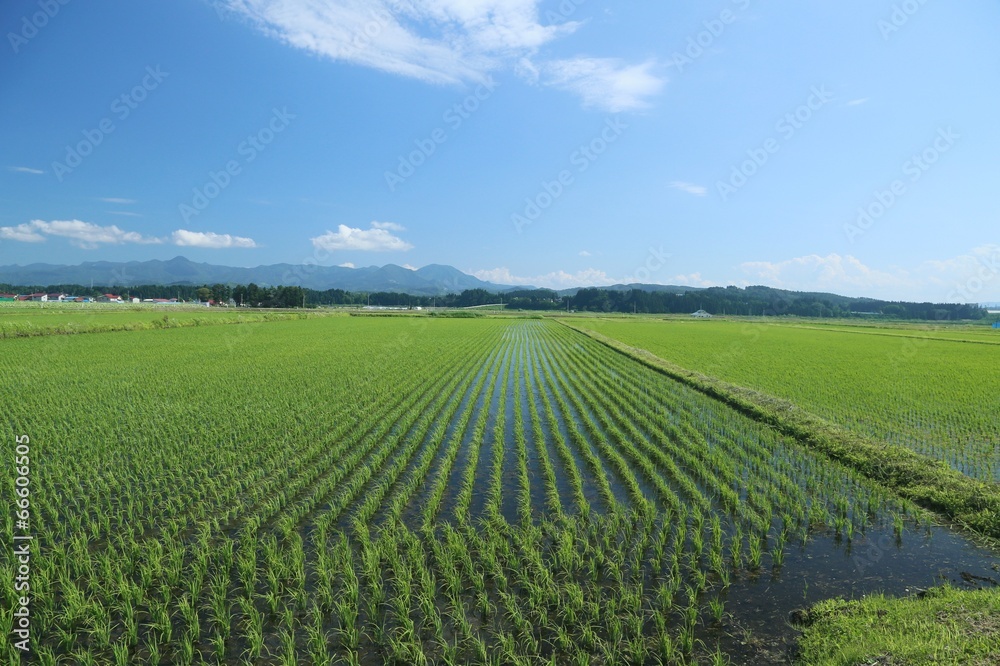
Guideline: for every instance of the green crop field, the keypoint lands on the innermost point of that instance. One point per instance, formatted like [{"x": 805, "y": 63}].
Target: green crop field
[
  {"x": 18, "y": 320},
  {"x": 935, "y": 391},
  {"x": 370, "y": 490}
]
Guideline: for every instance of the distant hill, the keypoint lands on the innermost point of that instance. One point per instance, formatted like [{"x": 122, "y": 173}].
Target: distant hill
[{"x": 430, "y": 280}]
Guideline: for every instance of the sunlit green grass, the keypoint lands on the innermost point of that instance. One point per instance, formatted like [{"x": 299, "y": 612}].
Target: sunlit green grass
[{"x": 944, "y": 626}]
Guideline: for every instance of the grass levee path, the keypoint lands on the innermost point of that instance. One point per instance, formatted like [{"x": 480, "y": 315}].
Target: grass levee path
[{"x": 942, "y": 626}]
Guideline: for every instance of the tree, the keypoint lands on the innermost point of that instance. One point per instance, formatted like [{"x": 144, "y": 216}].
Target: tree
[
  {"x": 204, "y": 294},
  {"x": 221, "y": 292}
]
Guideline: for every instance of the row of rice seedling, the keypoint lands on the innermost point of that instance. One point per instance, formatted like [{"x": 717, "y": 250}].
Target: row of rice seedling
[
  {"x": 926, "y": 390},
  {"x": 371, "y": 490}
]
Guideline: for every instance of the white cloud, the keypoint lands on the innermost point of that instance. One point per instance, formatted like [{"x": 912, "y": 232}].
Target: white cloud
[
  {"x": 590, "y": 277},
  {"x": 439, "y": 41},
  {"x": 692, "y": 280},
  {"x": 857, "y": 102},
  {"x": 24, "y": 233},
  {"x": 409, "y": 267},
  {"x": 21, "y": 169},
  {"x": 388, "y": 226},
  {"x": 116, "y": 200},
  {"x": 584, "y": 253},
  {"x": 347, "y": 264},
  {"x": 974, "y": 276},
  {"x": 605, "y": 83},
  {"x": 446, "y": 42},
  {"x": 368, "y": 240},
  {"x": 697, "y": 190},
  {"x": 832, "y": 273},
  {"x": 208, "y": 239},
  {"x": 126, "y": 213},
  {"x": 81, "y": 234}
]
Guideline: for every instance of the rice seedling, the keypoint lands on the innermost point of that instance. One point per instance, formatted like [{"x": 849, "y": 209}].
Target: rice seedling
[{"x": 502, "y": 491}]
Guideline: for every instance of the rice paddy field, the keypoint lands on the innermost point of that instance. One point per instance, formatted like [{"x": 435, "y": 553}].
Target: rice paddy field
[
  {"x": 933, "y": 390},
  {"x": 415, "y": 490},
  {"x": 19, "y": 320}
]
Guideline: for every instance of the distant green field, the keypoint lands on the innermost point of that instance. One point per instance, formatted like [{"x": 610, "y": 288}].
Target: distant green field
[
  {"x": 31, "y": 319},
  {"x": 935, "y": 391}
]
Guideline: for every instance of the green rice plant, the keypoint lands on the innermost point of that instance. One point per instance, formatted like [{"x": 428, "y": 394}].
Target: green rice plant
[
  {"x": 218, "y": 645},
  {"x": 719, "y": 658},
  {"x": 718, "y": 608},
  {"x": 120, "y": 654},
  {"x": 755, "y": 553},
  {"x": 253, "y": 630}
]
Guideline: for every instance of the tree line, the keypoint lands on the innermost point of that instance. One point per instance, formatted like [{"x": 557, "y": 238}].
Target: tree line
[{"x": 749, "y": 301}]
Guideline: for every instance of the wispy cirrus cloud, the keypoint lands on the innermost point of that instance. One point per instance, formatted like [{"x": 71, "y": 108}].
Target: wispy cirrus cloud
[
  {"x": 379, "y": 238},
  {"x": 23, "y": 169},
  {"x": 116, "y": 200},
  {"x": 607, "y": 84},
  {"x": 448, "y": 42},
  {"x": 388, "y": 226},
  {"x": 690, "y": 188}
]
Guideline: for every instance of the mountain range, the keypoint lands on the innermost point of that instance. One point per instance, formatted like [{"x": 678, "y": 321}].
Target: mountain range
[{"x": 429, "y": 280}]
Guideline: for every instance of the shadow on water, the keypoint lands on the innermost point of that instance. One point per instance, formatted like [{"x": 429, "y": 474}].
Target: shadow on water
[{"x": 756, "y": 628}]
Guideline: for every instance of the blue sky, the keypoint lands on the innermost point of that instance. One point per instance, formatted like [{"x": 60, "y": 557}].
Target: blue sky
[{"x": 840, "y": 146}]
